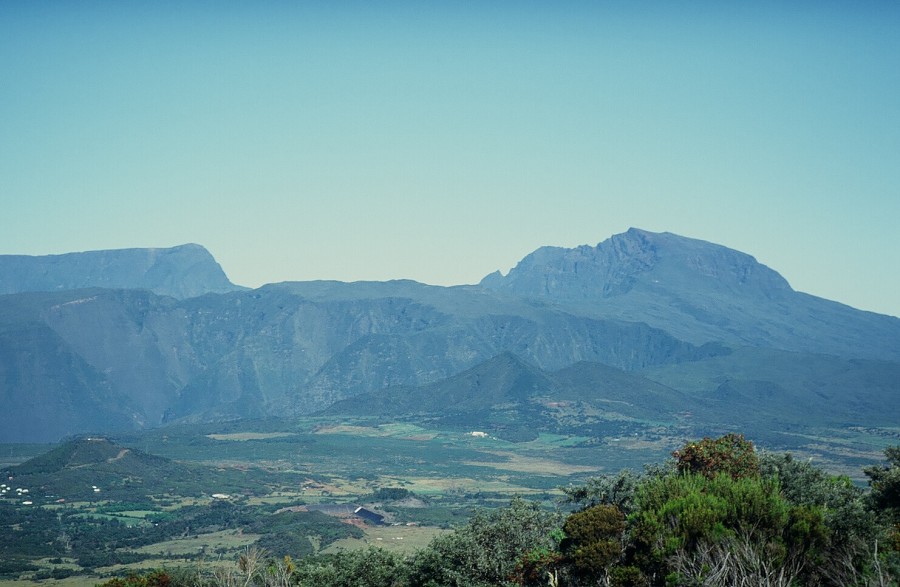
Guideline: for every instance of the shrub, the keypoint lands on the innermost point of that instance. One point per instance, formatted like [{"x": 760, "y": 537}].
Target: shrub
[
  {"x": 593, "y": 542},
  {"x": 730, "y": 454},
  {"x": 488, "y": 550}
]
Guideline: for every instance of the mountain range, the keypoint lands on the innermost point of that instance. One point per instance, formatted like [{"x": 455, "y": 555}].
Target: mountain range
[{"x": 140, "y": 338}]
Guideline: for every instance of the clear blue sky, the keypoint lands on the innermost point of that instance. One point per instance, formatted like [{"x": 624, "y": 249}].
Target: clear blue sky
[{"x": 440, "y": 141}]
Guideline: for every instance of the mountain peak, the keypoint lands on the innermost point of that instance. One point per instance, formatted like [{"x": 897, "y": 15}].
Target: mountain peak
[
  {"x": 696, "y": 291},
  {"x": 183, "y": 271},
  {"x": 635, "y": 258}
]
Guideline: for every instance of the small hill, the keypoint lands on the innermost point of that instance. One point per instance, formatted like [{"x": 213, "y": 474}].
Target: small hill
[
  {"x": 75, "y": 468},
  {"x": 181, "y": 272},
  {"x": 95, "y": 452},
  {"x": 630, "y": 394},
  {"x": 764, "y": 392},
  {"x": 515, "y": 400},
  {"x": 501, "y": 380}
]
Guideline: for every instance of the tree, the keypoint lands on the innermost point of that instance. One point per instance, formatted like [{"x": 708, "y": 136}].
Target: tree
[
  {"x": 593, "y": 540},
  {"x": 731, "y": 454},
  {"x": 686, "y": 522},
  {"x": 373, "y": 567},
  {"x": 155, "y": 578},
  {"x": 488, "y": 550},
  {"x": 885, "y": 483},
  {"x": 885, "y": 496},
  {"x": 618, "y": 490},
  {"x": 846, "y": 511}
]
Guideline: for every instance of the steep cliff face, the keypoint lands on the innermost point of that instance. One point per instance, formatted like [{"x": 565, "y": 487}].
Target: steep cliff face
[
  {"x": 47, "y": 389},
  {"x": 143, "y": 360},
  {"x": 181, "y": 272}
]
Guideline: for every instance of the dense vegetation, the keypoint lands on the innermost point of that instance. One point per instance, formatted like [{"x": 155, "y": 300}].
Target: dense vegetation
[{"x": 719, "y": 513}]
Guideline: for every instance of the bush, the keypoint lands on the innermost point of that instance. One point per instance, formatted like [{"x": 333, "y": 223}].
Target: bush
[
  {"x": 390, "y": 494},
  {"x": 156, "y": 578},
  {"x": 618, "y": 490},
  {"x": 730, "y": 454},
  {"x": 13, "y": 567},
  {"x": 593, "y": 540},
  {"x": 488, "y": 550},
  {"x": 690, "y": 522},
  {"x": 373, "y": 567}
]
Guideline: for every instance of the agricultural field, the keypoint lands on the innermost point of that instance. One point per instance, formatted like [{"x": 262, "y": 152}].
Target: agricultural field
[
  {"x": 198, "y": 495},
  {"x": 182, "y": 497}
]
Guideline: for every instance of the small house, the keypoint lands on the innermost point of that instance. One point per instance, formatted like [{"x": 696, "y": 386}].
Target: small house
[{"x": 369, "y": 516}]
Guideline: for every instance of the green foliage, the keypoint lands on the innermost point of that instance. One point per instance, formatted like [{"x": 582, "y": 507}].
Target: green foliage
[
  {"x": 13, "y": 566},
  {"x": 676, "y": 511},
  {"x": 730, "y": 454},
  {"x": 156, "y": 578},
  {"x": 536, "y": 565},
  {"x": 372, "y": 567},
  {"x": 284, "y": 542},
  {"x": 627, "y": 576},
  {"x": 885, "y": 483},
  {"x": 100, "y": 541},
  {"x": 618, "y": 490},
  {"x": 391, "y": 494},
  {"x": 593, "y": 540},
  {"x": 488, "y": 550},
  {"x": 683, "y": 518},
  {"x": 846, "y": 512},
  {"x": 287, "y": 533}
]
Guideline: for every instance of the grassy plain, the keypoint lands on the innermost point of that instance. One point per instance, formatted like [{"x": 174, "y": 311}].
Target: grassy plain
[
  {"x": 221, "y": 541},
  {"x": 402, "y": 539}
]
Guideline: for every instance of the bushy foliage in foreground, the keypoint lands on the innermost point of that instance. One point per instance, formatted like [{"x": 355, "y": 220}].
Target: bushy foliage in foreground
[
  {"x": 730, "y": 455},
  {"x": 721, "y": 515}
]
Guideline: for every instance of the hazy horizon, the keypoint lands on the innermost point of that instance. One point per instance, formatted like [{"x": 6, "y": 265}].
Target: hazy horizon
[{"x": 303, "y": 141}]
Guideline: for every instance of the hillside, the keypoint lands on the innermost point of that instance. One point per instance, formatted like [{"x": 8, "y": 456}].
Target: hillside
[
  {"x": 147, "y": 360},
  {"x": 511, "y": 399},
  {"x": 98, "y": 468},
  {"x": 89, "y": 466},
  {"x": 765, "y": 392}
]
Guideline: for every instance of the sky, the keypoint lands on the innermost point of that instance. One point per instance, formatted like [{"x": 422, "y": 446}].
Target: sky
[{"x": 441, "y": 141}]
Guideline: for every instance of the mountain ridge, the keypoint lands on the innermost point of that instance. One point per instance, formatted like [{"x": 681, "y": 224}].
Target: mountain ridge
[
  {"x": 614, "y": 265},
  {"x": 697, "y": 291},
  {"x": 182, "y": 271},
  {"x": 86, "y": 360}
]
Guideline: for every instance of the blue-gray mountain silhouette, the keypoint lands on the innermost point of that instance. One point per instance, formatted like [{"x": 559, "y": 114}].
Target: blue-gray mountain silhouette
[
  {"x": 181, "y": 272},
  {"x": 653, "y": 305}
]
